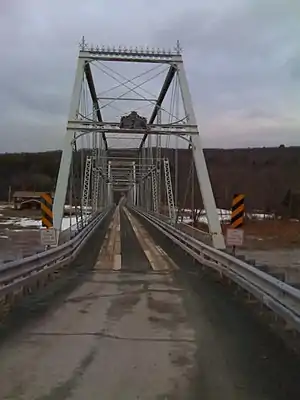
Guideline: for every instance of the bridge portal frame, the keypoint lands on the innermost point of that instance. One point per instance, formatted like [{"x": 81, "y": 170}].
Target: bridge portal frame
[{"x": 189, "y": 130}]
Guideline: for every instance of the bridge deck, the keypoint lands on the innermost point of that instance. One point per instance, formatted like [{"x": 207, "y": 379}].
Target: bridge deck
[{"x": 139, "y": 327}]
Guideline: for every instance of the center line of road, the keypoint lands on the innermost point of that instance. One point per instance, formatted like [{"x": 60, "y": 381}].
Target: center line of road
[{"x": 156, "y": 258}]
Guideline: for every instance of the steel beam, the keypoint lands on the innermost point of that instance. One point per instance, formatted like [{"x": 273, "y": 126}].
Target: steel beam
[
  {"x": 66, "y": 158},
  {"x": 160, "y": 99},
  {"x": 90, "y": 81},
  {"x": 200, "y": 164}
]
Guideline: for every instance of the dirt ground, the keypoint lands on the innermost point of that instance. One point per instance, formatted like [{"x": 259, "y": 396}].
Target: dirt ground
[
  {"x": 267, "y": 234},
  {"x": 7, "y": 211},
  {"x": 17, "y": 241},
  {"x": 271, "y": 234},
  {"x": 19, "y": 232},
  {"x": 271, "y": 242}
]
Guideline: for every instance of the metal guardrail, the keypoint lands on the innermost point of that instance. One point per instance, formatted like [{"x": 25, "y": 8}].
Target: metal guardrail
[
  {"x": 278, "y": 296},
  {"x": 73, "y": 230},
  {"x": 15, "y": 274},
  {"x": 199, "y": 234}
]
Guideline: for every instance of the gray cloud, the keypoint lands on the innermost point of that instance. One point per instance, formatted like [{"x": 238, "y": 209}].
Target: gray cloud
[
  {"x": 242, "y": 61},
  {"x": 246, "y": 64}
]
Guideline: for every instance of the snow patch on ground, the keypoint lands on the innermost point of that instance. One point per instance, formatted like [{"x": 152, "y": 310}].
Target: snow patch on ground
[
  {"x": 37, "y": 224},
  {"x": 68, "y": 222},
  {"x": 224, "y": 216},
  {"x": 4, "y": 206},
  {"x": 23, "y": 222},
  {"x": 9, "y": 221},
  {"x": 28, "y": 223}
]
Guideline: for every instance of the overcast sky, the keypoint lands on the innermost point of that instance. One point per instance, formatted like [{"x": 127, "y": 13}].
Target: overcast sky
[{"x": 242, "y": 59}]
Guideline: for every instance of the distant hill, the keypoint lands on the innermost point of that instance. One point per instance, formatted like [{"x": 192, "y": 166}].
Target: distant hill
[{"x": 263, "y": 174}]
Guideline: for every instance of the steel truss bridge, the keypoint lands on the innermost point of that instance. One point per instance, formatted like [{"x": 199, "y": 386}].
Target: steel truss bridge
[
  {"x": 104, "y": 169},
  {"x": 133, "y": 302}
]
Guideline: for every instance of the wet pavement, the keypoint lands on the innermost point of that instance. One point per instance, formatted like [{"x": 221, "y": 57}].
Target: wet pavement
[{"x": 145, "y": 333}]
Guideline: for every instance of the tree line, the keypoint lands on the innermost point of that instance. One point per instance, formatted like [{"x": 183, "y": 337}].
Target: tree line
[{"x": 264, "y": 175}]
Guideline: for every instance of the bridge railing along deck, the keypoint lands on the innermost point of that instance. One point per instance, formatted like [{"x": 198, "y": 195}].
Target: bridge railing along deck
[{"x": 281, "y": 298}]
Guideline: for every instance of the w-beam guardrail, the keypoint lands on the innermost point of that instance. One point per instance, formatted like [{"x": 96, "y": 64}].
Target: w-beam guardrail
[
  {"x": 18, "y": 274},
  {"x": 278, "y": 296}
]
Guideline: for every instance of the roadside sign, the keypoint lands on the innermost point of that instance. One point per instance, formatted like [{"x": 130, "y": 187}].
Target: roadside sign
[
  {"x": 48, "y": 237},
  {"x": 47, "y": 212},
  {"x": 234, "y": 237},
  {"x": 237, "y": 211}
]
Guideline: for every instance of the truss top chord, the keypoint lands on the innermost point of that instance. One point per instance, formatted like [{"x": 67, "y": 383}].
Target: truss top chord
[
  {"x": 137, "y": 50},
  {"x": 124, "y": 53}
]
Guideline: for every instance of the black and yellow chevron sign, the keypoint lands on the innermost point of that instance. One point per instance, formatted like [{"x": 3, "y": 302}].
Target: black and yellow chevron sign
[
  {"x": 46, "y": 207},
  {"x": 237, "y": 211}
]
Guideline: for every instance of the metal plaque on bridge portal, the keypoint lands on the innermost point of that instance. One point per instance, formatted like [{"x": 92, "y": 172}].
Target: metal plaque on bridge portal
[
  {"x": 48, "y": 237},
  {"x": 234, "y": 237},
  {"x": 133, "y": 121}
]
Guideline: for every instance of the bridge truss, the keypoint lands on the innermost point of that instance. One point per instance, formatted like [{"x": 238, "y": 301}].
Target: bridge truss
[{"x": 107, "y": 154}]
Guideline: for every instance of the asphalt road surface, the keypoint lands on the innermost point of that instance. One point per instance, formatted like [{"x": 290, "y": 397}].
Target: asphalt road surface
[{"x": 153, "y": 331}]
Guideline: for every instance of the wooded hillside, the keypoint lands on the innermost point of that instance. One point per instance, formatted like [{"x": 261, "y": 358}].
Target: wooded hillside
[{"x": 263, "y": 174}]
